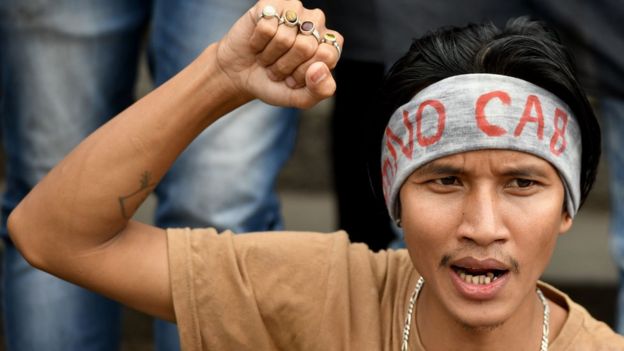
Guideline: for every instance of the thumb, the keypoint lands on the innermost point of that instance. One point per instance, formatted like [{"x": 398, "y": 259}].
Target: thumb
[{"x": 319, "y": 84}]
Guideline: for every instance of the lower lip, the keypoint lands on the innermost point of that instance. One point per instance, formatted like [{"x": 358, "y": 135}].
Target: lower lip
[{"x": 479, "y": 292}]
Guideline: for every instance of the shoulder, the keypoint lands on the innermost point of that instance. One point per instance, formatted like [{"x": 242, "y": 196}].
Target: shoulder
[
  {"x": 280, "y": 245},
  {"x": 283, "y": 283},
  {"x": 581, "y": 331},
  {"x": 294, "y": 242},
  {"x": 307, "y": 253},
  {"x": 594, "y": 334}
]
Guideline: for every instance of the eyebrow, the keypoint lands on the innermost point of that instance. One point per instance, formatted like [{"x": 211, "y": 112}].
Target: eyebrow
[
  {"x": 437, "y": 168},
  {"x": 521, "y": 171},
  {"x": 524, "y": 171}
]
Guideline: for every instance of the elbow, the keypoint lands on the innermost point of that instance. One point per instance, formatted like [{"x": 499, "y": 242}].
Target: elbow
[{"x": 22, "y": 238}]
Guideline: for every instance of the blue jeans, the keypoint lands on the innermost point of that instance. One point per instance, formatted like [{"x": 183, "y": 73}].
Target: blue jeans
[
  {"x": 613, "y": 117},
  {"x": 68, "y": 66}
]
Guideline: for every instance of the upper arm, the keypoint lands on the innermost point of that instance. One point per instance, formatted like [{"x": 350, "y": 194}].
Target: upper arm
[{"x": 131, "y": 268}]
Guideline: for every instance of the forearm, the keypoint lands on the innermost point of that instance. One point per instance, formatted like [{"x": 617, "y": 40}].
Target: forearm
[
  {"x": 90, "y": 196},
  {"x": 75, "y": 222}
]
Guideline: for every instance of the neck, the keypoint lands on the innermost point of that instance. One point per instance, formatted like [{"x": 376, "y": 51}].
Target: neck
[{"x": 439, "y": 329}]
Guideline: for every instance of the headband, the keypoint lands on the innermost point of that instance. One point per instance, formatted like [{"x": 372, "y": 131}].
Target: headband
[{"x": 475, "y": 112}]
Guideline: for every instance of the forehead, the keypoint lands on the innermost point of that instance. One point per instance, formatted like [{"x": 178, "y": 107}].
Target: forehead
[{"x": 490, "y": 161}]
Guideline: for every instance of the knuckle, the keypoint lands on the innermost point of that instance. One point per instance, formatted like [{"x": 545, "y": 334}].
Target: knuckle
[
  {"x": 282, "y": 68},
  {"x": 264, "y": 59},
  {"x": 256, "y": 46},
  {"x": 299, "y": 78},
  {"x": 325, "y": 54},
  {"x": 305, "y": 48},
  {"x": 283, "y": 41},
  {"x": 318, "y": 14},
  {"x": 265, "y": 30},
  {"x": 299, "y": 75}
]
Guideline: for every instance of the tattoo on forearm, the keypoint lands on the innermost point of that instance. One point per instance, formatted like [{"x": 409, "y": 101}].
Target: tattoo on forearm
[{"x": 145, "y": 184}]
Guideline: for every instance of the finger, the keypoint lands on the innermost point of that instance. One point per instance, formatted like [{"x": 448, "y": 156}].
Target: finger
[
  {"x": 304, "y": 47},
  {"x": 319, "y": 85},
  {"x": 285, "y": 36},
  {"x": 267, "y": 21},
  {"x": 329, "y": 52}
]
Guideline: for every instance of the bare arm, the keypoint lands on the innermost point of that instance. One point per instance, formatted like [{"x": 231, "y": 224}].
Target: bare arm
[{"x": 75, "y": 223}]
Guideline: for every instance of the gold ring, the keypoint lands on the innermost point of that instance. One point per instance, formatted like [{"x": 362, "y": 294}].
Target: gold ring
[
  {"x": 330, "y": 38},
  {"x": 290, "y": 18}
]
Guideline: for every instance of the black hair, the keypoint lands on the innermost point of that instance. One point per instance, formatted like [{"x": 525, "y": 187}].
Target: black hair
[{"x": 524, "y": 49}]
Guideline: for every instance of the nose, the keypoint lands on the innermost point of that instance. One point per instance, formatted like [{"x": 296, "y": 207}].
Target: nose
[{"x": 482, "y": 218}]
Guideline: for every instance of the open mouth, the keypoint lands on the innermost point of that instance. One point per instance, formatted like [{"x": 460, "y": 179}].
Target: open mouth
[{"x": 478, "y": 276}]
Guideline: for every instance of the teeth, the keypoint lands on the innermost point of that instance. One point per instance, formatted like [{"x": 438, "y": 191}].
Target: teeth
[{"x": 481, "y": 279}]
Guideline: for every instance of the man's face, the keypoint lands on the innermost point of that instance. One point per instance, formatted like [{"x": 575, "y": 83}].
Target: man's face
[{"x": 481, "y": 227}]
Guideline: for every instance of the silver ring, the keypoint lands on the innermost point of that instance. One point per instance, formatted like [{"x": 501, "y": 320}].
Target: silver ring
[
  {"x": 269, "y": 12},
  {"x": 337, "y": 46},
  {"x": 316, "y": 34},
  {"x": 330, "y": 38},
  {"x": 290, "y": 18},
  {"x": 306, "y": 27}
]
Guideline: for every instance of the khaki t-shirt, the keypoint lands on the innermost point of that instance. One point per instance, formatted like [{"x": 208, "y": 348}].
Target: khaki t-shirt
[{"x": 310, "y": 291}]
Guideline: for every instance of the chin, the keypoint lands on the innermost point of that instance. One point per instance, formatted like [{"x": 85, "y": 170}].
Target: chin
[
  {"x": 474, "y": 319},
  {"x": 480, "y": 327}
]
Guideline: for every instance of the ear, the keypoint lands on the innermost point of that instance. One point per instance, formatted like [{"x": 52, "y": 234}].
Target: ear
[{"x": 566, "y": 223}]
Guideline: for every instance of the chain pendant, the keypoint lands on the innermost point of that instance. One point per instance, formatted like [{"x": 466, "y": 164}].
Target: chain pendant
[{"x": 412, "y": 302}]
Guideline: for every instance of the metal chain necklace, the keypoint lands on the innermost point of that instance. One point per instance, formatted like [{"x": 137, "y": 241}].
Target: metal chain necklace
[{"x": 414, "y": 297}]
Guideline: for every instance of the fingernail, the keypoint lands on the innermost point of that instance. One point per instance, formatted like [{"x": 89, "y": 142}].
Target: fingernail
[
  {"x": 319, "y": 75},
  {"x": 291, "y": 82}
]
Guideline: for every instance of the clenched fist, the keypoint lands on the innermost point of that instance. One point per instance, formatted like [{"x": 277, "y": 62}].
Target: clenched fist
[{"x": 281, "y": 53}]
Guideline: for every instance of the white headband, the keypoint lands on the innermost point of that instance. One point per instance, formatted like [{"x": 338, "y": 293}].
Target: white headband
[{"x": 475, "y": 112}]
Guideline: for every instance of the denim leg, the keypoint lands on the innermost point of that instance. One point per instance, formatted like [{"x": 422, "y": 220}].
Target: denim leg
[
  {"x": 226, "y": 177},
  {"x": 65, "y": 67},
  {"x": 613, "y": 117},
  {"x": 231, "y": 187},
  {"x": 42, "y": 319}
]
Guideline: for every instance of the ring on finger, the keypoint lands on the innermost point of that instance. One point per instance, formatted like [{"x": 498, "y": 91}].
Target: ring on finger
[
  {"x": 306, "y": 27},
  {"x": 269, "y": 12},
  {"x": 290, "y": 18},
  {"x": 316, "y": 35},
  {"x": 330, "y": 38}
]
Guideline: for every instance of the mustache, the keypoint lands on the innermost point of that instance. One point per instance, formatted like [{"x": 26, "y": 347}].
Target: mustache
[{"x": 480, "y": 252}]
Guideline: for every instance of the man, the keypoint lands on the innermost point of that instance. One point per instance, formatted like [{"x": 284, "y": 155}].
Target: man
[{"x": 482, "y": 171}]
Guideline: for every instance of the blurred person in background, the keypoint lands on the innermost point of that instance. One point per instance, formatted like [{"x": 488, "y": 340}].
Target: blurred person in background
[
  {"x": 356, "y": 107},
  {"x": 68, "y": 66},
  {"x": 594, "y": 30}
]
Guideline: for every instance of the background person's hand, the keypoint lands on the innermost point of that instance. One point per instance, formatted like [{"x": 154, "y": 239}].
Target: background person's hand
[{"x": 276, "y": 62}]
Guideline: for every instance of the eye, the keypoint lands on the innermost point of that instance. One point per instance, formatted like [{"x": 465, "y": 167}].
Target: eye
[
  {"x": 522, "y": 183},
  {"x": 450, "y": 180}
]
